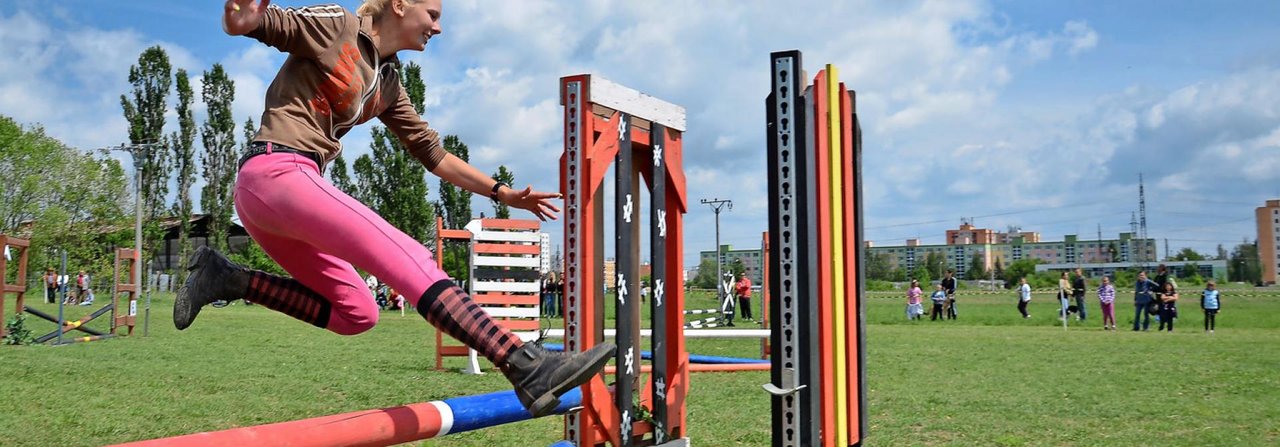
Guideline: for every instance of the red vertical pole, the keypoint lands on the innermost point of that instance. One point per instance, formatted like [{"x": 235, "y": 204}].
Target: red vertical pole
[{"x": 826, "y": 327}]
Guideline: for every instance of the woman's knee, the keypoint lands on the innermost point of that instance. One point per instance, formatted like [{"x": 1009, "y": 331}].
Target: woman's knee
[{"x": 356, "y": 314}]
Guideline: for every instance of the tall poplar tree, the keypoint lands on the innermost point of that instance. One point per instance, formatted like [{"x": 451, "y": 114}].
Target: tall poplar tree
[
  {"x": 151, "y": 79},
  {"x": 455, "y": 202},
  {"x": 219, "y": 157},
  {"x": 183, "y": 144},
  {"x": 391, "y": 181},
  {"x": 501, "y": 210}
]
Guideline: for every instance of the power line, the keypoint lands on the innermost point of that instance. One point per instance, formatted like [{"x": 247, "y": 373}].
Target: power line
[{"x": 1008, "y": 213}]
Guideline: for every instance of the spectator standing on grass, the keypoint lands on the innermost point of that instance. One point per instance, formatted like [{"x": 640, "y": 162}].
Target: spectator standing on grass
[
  {"x": 1168, "y": 306},
  {"x": 1143, "y": 293},
  {"x": 743, "y": 289},
  {"x": 82, "y": 285},
  {"x": 50, "y": 286},
  {"x": 939, "y": 298},
  {"x": 1064, "y": 296},
  {"x": 949, "y": 286},
  {"x": 1024, "y": 297},
  {"x": 1211, "y": 304},
  {"x": 1162, "y": 277},
  {"x": 915, "y": 309},
  {"x": 1078, "y": 287},
  {"x": 557, "y": 295},
  {"x": 1107, "y": 299}
]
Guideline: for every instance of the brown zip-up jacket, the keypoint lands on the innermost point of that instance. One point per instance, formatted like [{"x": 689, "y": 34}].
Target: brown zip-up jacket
[{"x": 332, "y": 81}]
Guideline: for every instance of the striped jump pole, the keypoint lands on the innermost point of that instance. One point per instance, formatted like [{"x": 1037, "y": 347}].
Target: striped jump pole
[
  {"x": 382, "y": 427},
  {"x": 701, "y": 311}
]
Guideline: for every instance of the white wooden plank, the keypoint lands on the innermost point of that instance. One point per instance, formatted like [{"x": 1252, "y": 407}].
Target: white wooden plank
[
  {"x": 625, "y": 99},
  {"x": 499, "y": 286},
  {"x": 512, "y": 312},
  {"x": 505, "y": 236},
  {"x": 506, "y": 261}
]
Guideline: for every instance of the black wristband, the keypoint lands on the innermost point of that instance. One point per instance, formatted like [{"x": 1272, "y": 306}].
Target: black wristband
[{"x": 493, "y": 193}]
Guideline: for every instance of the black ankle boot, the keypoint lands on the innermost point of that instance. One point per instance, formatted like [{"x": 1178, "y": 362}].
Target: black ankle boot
[
  {"x": 212, "y": 278},
  {"x": 541, "y": 376}
]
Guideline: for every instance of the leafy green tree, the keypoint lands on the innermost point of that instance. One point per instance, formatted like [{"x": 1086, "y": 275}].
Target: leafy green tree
[
  {"x": 341, "y": 178},
  {"x": 706, "y": 277},
  {"x": 936, "y": 264},
  {"x": 74, "y": 201},
  {"x": 29, "y": 160},
  {"x": 897, "y": 275},
  {"x": 998, "y": 269},
  {"x": 878, "y": 266},
  {"x": 183, "y": 144},
  {"x": 151, "y": 79},
  {"x": 977, "y": 269},
  {"x": 1188, "y": 271},
  {"x": 392, "y": 182},
  {"x": 1187, "y": 254},
  {"x": 922, "y": 274},
  {"x": 455, "y": 208},
  {"x": 736, "y": 268},
  {"x": 501, "y": 210},
  {"x": 254, "y": 257},
  {"x": 219, "y": 158},
  {"x": 455, "y": 202},
  {"x": 1243, "y": 265},
  {"x": 1019, "y": 269}
]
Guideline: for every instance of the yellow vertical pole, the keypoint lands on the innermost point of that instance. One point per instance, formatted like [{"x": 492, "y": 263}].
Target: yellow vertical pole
[{"x": 837, "y": 254}]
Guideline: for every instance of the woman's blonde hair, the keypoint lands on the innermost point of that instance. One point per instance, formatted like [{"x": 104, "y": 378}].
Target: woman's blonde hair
[{"x": 375, "y": 7}]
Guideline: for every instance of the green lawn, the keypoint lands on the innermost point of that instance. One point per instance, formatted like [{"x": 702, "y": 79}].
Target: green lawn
[{"x": 990, "y": 378}]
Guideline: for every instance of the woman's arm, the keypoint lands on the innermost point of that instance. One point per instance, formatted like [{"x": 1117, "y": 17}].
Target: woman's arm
[{"x": 453, "y": 170}]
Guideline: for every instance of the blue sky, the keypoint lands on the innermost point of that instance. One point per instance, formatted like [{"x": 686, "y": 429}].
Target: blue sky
[{"x": 1036, "y": 114}]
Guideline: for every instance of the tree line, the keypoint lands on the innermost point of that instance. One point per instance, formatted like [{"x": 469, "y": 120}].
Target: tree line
[{"x": 81, "y": 200}]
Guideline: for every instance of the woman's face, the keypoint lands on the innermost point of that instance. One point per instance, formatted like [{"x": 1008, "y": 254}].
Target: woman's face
[{"x": 420, "y": 22}]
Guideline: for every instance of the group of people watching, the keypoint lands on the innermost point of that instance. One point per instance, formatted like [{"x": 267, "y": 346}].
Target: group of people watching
[
  {"x": 552, "y": 292},
  {"x": 943, "y": 298},
  {"x": 75, "y": 291},
  {"x": 1158, "y": 297}
]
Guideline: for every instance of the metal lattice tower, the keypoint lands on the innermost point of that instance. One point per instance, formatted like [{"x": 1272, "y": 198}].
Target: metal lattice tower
[{"x": 1142, "y": 219}]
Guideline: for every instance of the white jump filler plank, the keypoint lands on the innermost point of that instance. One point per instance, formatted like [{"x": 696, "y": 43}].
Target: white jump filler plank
[{"x": 624, "y": 99}]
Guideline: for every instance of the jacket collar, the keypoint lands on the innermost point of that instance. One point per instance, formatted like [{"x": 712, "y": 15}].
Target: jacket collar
[{"x": 366, "y": 31}]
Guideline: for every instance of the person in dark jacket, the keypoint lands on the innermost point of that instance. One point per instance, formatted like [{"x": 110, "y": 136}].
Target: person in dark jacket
[
  {"x": 949, "y": 286},
  {"x": 1143, "y": 294},
  {"x": 1077, "y": 291}
]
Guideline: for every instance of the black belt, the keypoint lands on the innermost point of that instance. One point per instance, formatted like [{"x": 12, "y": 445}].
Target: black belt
[{"x": 260, "y": 147}]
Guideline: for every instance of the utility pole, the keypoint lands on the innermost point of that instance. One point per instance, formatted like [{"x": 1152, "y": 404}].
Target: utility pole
[
  {"x": 717, "y": 205},
  {"x": 140, "y": 153}
]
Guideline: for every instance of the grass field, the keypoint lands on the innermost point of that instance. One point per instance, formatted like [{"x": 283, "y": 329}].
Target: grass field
[{"x": 990, "y": 378}]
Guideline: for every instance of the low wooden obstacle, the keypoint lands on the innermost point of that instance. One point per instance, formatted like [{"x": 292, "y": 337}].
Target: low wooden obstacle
[
  {"x": 67, "y": 326},
  {"x": 126, "y": 261},
  {"x": 504, "y": 259},
  {"x": 17, "y": 249},
  {"x": 815, "y": 241},
  {"x": 370, "y": 428}
]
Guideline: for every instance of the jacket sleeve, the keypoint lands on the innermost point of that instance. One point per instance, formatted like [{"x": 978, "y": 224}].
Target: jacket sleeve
[
  {"x": 422, "y": 142},
  {"x": 305, "y": 31}
]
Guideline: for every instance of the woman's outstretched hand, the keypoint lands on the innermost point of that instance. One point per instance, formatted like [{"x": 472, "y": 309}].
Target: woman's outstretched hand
[
  {"x": 242, "y": 16},
  {"x": 537, "y": 202}
]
